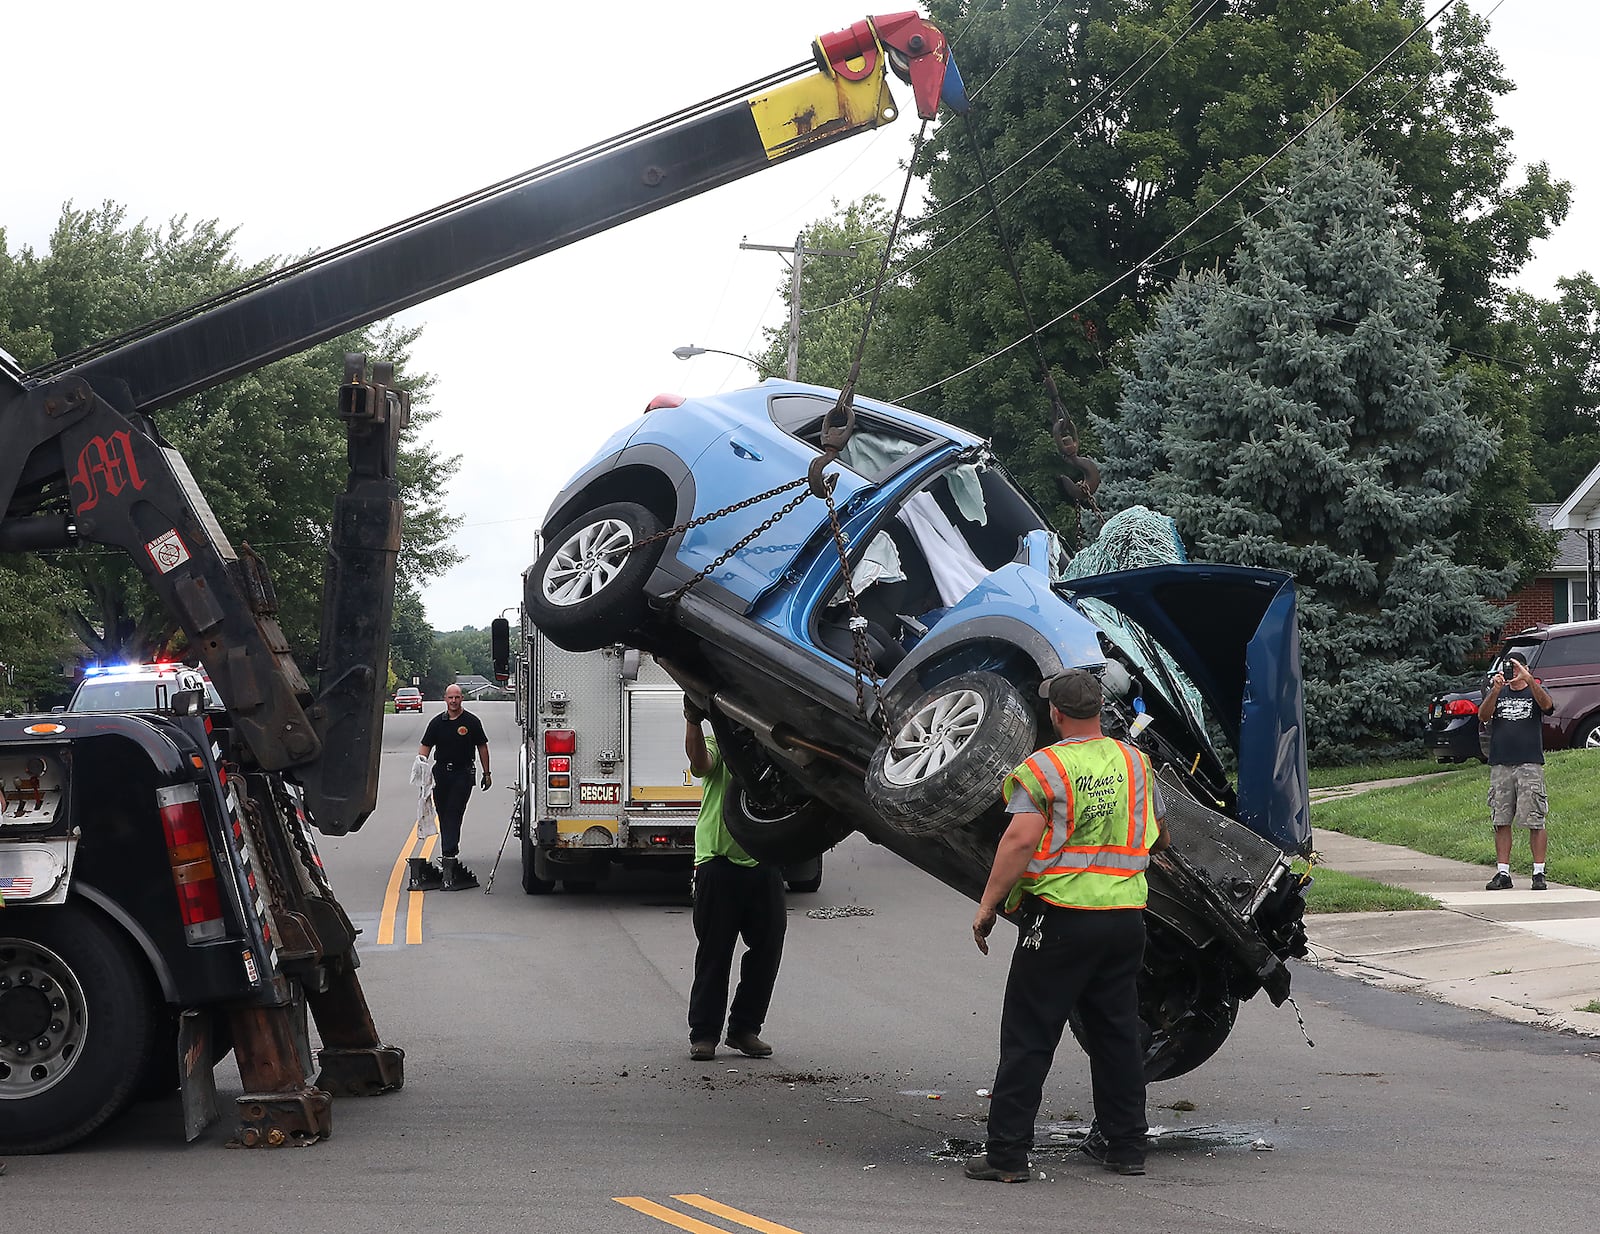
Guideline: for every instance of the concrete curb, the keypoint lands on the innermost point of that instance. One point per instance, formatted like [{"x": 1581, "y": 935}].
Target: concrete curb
[{"x": 1524, "y": 955}]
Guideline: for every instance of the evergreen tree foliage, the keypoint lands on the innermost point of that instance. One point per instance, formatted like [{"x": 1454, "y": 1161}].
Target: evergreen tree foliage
[
  {"x": 267, "y": 449},
  {"x": 1299, "y": 416},
  {"x": 1108, "y": 125}
]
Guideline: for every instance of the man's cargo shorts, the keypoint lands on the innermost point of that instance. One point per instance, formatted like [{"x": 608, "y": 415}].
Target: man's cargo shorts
[{"x": 1516, "y": 795}]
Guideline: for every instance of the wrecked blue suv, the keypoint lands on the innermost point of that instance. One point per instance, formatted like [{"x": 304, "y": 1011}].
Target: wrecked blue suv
[{"x": 870, "y": 659}]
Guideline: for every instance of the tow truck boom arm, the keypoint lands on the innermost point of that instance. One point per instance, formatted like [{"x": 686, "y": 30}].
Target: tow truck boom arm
[{"x": 79, "y": 458}]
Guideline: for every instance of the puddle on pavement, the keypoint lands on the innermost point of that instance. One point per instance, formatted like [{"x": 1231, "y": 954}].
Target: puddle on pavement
[{"x": 1060, "y": 1141}]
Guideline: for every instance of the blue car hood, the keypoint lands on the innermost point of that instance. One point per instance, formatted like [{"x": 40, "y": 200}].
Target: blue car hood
[{"x": 1233, "y": 630}]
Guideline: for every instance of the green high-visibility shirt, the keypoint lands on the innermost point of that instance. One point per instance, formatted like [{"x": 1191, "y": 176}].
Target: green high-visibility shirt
[{"x": 711, "y": 838}]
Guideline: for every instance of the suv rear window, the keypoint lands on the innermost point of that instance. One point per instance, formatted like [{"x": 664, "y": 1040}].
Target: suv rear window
[{"x": 1574, "y": 649}]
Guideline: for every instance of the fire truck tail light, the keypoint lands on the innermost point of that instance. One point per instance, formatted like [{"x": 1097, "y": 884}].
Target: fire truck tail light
[
  {"x": 563, "y": 763},
  {"x": 560, "y": 741},
  {"x": 194, "y": 877},
  {"x": 560, "y": 781}
]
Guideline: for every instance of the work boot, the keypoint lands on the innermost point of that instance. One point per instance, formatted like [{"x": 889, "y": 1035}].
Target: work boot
[
  {"x": 1538, "y": 883},
  {"x": 1500, "y": 882},
  {"x": 750, "y": 1045},
  {"x": 456, "y": 876},
  {"x": 979, "y": 1167},
  {"x": 1096, "y": 1147},
  {"x": 425, "y": 876},
  {"x": 702, "y": 1051}
]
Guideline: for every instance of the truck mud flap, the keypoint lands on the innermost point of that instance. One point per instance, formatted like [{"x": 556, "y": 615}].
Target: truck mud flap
[{"x": 197, "y": 1078}]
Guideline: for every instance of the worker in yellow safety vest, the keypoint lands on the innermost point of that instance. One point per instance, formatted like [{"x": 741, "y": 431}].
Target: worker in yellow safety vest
[{"x": 1085, "y": 817}]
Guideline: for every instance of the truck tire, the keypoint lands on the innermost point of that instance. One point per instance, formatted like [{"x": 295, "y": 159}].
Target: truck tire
[
  {"x": 782, "y": 832},
  {"x": 531, "y": 882},
  {"x": 72, "y": 981},
  {"x": 954, "y": 745},
  {"x": 586, "y": 590}
]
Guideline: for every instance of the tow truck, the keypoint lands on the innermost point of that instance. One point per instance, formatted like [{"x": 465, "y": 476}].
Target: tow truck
[{"x": 164, "y": 898}]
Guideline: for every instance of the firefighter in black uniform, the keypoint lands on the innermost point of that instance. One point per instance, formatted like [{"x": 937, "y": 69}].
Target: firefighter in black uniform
[{"x": 455, "y": 733}]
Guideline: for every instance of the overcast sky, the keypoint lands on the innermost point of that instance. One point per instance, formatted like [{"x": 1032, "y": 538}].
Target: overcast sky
[{"x": 282, "y": 119}]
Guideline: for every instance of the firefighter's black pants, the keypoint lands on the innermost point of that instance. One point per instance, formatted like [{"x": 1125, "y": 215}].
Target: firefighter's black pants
[
  {"x": 731, "y": 901},
  {"x": 451, "y": 791},
  {"x": 1086, "y": 960}
]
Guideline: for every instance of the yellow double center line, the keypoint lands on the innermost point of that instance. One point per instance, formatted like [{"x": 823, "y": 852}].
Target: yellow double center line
[
  {"x": 391, "y": 894},
  {"x": 693, "y": 1224}
]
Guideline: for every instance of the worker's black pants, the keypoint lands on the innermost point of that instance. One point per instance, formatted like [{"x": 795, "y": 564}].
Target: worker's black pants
[
  {"x": 1086, "y": 960},
  {"x": 729, "y": 901},
  {"x": 451, "y": 791}
]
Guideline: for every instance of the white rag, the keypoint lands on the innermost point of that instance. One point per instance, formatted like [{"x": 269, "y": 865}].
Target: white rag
[
  {"x": 427, "y": 815},
  {"x": 956, "y": 569}
]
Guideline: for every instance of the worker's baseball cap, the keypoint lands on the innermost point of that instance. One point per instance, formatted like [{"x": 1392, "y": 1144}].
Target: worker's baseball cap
[{"x": 1073, "y": 693}]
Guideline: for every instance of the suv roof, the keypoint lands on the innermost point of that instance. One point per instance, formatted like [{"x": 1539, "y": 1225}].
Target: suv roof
[{"x": 136, "y": 687}]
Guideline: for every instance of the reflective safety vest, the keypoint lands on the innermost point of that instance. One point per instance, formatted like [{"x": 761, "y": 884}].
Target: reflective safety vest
[{"x": 1095, "y": 795}]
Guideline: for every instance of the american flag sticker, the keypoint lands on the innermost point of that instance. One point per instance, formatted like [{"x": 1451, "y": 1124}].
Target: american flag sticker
[{"x": 16, "y": 886}]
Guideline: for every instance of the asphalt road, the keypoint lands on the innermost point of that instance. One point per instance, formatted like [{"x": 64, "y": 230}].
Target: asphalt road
[{"x": 548, "y": 1087}]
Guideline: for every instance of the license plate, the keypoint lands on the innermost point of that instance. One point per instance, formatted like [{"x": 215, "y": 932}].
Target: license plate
[{"x": 600, "y": 793}]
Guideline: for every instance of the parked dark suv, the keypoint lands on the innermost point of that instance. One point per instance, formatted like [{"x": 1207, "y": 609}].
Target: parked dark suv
[{"x": 1565, "y": 658}]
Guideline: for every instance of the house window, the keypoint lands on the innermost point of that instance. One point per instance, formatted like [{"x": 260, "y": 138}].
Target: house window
[{"x": 1558, "y": 600}]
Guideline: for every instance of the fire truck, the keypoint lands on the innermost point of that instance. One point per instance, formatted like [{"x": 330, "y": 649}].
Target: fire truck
[
  {"x": 164, "y": 898},
  {"x": 604, "y": 781}
]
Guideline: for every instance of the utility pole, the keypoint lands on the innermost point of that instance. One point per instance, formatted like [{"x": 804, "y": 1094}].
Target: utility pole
[{"x": 797, "y": 253}]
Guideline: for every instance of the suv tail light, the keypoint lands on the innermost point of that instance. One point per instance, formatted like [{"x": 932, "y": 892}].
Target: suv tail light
[
  {"x": 1461, "y": 707},
  {"x": 189, "y": 851}
]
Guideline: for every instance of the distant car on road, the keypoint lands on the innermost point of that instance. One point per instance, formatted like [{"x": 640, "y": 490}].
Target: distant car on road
[
  {"x": 1565, "y": 658},
  {"x": 408, "y": 698}
]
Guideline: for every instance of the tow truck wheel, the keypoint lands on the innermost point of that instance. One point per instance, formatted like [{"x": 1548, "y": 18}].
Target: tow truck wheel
[
  {"x": 954, "y": 744},
  {"x": 586, "y": 590},
  {"x": 79, "y": 1017}
]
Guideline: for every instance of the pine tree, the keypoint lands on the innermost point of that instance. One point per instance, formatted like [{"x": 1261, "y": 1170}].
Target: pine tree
[{"x": 1298, "y": 415}]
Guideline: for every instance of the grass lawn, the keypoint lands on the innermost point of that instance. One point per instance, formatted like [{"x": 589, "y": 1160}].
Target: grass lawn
[
  {"x": 1360, "y": 773},
  {"x": 1449, "y": 817},
  {"x": 1334, "y": 892}
]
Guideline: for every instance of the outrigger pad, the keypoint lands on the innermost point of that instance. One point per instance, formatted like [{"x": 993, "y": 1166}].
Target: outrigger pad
[
  {"x": 362, "y": 1072},
  {"x": 279, "y": 1120}
]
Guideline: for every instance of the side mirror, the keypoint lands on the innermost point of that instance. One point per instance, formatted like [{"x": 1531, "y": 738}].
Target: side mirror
[
  {"x": 500, "y": 648},
  {"x": 187, "y": 702}
]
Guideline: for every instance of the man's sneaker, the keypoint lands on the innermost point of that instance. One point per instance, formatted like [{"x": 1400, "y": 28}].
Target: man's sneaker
[
  {"x": 978, "y": 1167},
  {"x": 750, "y": 1045},
  {"x": 1538, "y": 883},
  {"x": 1094, "y": 1147},
  {"x": 1500, "y": 882},
  {"x": 702, "y": 1051}
]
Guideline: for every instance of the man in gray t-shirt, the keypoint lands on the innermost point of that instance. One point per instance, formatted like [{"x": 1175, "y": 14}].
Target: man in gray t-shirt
[{"x": 1514, "y": 709}]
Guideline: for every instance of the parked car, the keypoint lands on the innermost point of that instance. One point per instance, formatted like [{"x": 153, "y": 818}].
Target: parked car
[
  {"x": 140, "y": 687},
  {"x": 964, "y": 611},
  {"x": 1565, "y": 659},
  {"x": 407, "y": 698}
]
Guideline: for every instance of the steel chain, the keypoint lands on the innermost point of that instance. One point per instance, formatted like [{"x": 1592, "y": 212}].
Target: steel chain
[
  {"x": 269, "y": 865},
  {"x": 297, "y": 837},
  {"x": 764, "y": 526},
  {"x": 861, "y": 654}
]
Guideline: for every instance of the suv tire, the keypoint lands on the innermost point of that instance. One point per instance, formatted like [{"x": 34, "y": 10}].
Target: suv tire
[
  {"x": 586, "y": 590},
  {"x": 954, "y": 745},
  {"x": 782, "y": 832}
]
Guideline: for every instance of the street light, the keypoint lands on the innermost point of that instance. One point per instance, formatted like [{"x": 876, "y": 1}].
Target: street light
[{"x": 689, "y": 352}]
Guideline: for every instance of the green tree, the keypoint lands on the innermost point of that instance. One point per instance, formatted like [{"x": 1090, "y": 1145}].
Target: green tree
[
  {"x": 1558, "y": 345},
  {"x": 36, "y": 644},
  {"x": 834, "y": 293},
  {"x": 1299, "y": 416},
  {"x": 266, "y": 449},
  {"x": 1109, "y": 125}
]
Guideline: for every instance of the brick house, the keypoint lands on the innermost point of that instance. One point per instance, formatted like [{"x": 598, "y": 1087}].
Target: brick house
[{"x": 1559, "y": 593}]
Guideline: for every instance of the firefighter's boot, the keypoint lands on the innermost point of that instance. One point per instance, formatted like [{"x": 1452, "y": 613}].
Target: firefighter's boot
[
  {"x": 457, "y": 877},
  {"x": 425, "y": 876}
]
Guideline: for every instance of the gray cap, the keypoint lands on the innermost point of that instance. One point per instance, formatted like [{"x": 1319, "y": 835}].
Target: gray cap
[{"x": 1074, "y": 693}]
